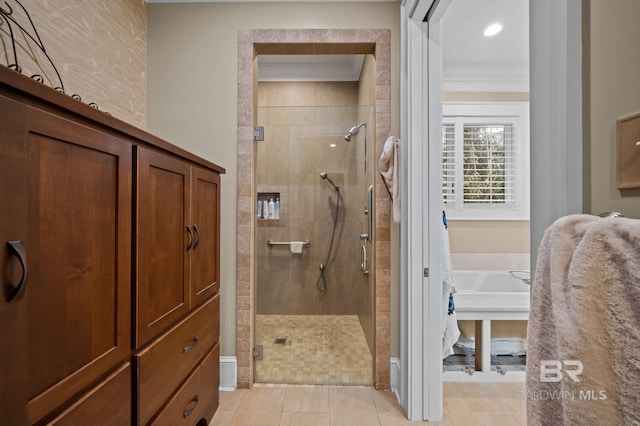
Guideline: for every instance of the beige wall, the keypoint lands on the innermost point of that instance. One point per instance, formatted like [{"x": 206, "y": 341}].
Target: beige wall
[
  {"x": 99, "y": 47},
  {"x": 192, "y": 57},
  {"x": 612, "y": 60},
  {"x": 488, "y": 236}
]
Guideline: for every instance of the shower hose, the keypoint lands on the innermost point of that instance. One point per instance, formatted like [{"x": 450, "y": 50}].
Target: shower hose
[{"x": 321, "y": 284}]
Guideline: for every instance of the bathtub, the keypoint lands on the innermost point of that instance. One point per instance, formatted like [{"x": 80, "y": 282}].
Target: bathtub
[
  {"x": 494, "y": 295},
  {"x": 483, "y": 296}
]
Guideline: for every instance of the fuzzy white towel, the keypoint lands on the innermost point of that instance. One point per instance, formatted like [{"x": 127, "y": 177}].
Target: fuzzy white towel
[
  {"x": 390, "y": 171},
  {"x": 583, "y": 352}
]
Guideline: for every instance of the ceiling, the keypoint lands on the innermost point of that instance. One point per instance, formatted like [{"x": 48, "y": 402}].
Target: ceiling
[
  {"x": 500, "y": 62},
  {"x": 471, "y": 61}
]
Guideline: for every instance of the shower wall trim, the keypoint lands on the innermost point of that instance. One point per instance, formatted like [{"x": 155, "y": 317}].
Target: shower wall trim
[{"x": 308, "y": 41}]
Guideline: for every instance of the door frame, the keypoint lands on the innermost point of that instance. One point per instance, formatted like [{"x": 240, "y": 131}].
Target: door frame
[
  {"x": 556, "y": 169},
  {"x": 308, "y": 41}
]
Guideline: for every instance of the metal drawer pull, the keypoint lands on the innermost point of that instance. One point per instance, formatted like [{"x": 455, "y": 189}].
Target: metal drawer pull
[
  {"x": 17, "y": 249},
  {"x": 195, "y": 227},
  {"x": 189, "y": 347},
  {"x": 190, "y": 238},
  {"x": 194, "y": 401}
]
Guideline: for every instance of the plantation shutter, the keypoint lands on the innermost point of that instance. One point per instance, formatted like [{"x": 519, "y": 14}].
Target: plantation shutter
[
  {"x": 448, "y": 163},
  {"x": 479, "y": 163},
  {"x": 489, "y": 164}
]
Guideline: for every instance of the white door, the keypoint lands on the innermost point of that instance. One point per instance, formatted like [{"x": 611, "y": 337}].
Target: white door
[
  {"x": 421, "y": 233},
  {"x": 556, "y": 170}
]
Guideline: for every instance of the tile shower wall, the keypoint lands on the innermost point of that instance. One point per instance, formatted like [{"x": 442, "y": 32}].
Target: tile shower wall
[{"x": 288, "y": 162}]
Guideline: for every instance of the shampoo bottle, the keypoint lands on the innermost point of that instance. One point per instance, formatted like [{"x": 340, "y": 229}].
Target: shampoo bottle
[
  {"x": 259, "y": 209},
  {"x": 277, "y": 211},
  {"x": 265, "y": 209},
  {"x": 272, "y": 209}
]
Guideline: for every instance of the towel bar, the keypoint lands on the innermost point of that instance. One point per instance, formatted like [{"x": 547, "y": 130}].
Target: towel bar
[{"x": 285, "y": 243}]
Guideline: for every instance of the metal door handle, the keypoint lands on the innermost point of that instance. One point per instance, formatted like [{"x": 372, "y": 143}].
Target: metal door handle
[
  {"x": 188, "y": 411},
  {"x": 17, "y": 249},
  {"x": 195, "y": 227},
  {"x": 190, "y": 238},
  {"x": 363, "y": 260},
  {"x": 189, "y": 347}
]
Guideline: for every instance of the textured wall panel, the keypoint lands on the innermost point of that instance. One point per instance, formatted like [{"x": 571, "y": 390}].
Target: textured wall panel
[{"x": 98, "y": 46}]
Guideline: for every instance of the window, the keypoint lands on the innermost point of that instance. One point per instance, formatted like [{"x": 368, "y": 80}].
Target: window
[{"x": 485, "y": 161}]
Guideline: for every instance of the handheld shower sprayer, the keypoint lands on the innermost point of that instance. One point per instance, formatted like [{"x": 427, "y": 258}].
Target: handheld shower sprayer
[
  {"x": 354, "y": 131},
  {"x": 326, "y": 177}
]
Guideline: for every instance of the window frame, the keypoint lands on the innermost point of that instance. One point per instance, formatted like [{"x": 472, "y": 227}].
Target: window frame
[{"x": 485, "y": 112}]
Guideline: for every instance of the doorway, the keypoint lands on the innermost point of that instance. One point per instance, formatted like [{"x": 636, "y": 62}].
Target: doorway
[
  {"x": 556, "y": 169},
  {"x": 258, "y": 42},
  {"x": 485, "y": 177}
]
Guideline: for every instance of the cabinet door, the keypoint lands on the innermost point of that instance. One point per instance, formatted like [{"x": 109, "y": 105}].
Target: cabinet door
[
  {"x": 162, "y": 242},
  {"x": 78, "y": 249},
  {"x": 13, "y": 227},
  {"x": 205, "y": 200}
]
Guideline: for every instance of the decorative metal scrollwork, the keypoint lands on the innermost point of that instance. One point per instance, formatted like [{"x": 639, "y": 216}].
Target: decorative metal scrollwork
[{"x": 9, "y": 22}]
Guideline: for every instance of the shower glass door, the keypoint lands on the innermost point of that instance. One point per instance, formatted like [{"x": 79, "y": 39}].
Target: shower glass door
[{"x": 313, "y": 304}]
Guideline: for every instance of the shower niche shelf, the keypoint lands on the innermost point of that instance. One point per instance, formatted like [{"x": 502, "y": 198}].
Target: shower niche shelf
[{"x": 265, "y": 197}]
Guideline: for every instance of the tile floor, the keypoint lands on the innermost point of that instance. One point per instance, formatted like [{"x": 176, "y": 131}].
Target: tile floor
[
  {"x": 468, "y": 404},
  {"x": 319, "y": 349}
]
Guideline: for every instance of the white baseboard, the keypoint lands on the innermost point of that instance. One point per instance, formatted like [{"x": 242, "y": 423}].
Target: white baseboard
[
  {"x": 228, "y": 373},
  {"x": 394, "y": 376}
]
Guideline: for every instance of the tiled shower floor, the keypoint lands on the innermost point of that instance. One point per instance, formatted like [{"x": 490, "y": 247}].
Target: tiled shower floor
[{"x": 319, "y": 349}]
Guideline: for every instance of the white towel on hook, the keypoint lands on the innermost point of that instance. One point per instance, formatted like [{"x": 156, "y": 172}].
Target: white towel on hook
[
  {"x": 390, "y": 171},
  {"x": 296, "y": 246},
  {"x": 450, "y": 332}
]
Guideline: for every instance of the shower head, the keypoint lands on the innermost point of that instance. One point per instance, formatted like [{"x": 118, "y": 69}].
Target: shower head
[
  {"x": 354, "y": 131},
  {"x": 326, "y": 177}
]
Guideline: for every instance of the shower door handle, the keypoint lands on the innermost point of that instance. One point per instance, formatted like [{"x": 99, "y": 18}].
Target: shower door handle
[{"x": 363, "y": 259}]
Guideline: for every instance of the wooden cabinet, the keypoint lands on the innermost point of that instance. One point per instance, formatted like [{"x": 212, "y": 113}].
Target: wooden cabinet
[
  {"x": 97, "y": 218},
  {"x": 177, "y": 240}
]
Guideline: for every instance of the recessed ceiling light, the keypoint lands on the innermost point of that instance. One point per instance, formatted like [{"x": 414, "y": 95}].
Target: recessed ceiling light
[
  {"x": 492, "y": 30},
  {"x": 333, "y": 145}
]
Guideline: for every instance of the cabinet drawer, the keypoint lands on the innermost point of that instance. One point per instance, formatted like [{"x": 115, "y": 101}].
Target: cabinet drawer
[
  {"x": 108, "y": 403},
  {"x": 164, "y": 364},
  {"x": 197, "y": 399}
]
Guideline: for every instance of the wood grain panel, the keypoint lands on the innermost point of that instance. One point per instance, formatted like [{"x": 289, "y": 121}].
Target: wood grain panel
[
  {"x": 106, "y": 404},
  {"x": 13, "y": 226},
  {"x": 162, "y": 239},
  {"x": 80, "y": 255},
  {"x": 205, "y": 274}
]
